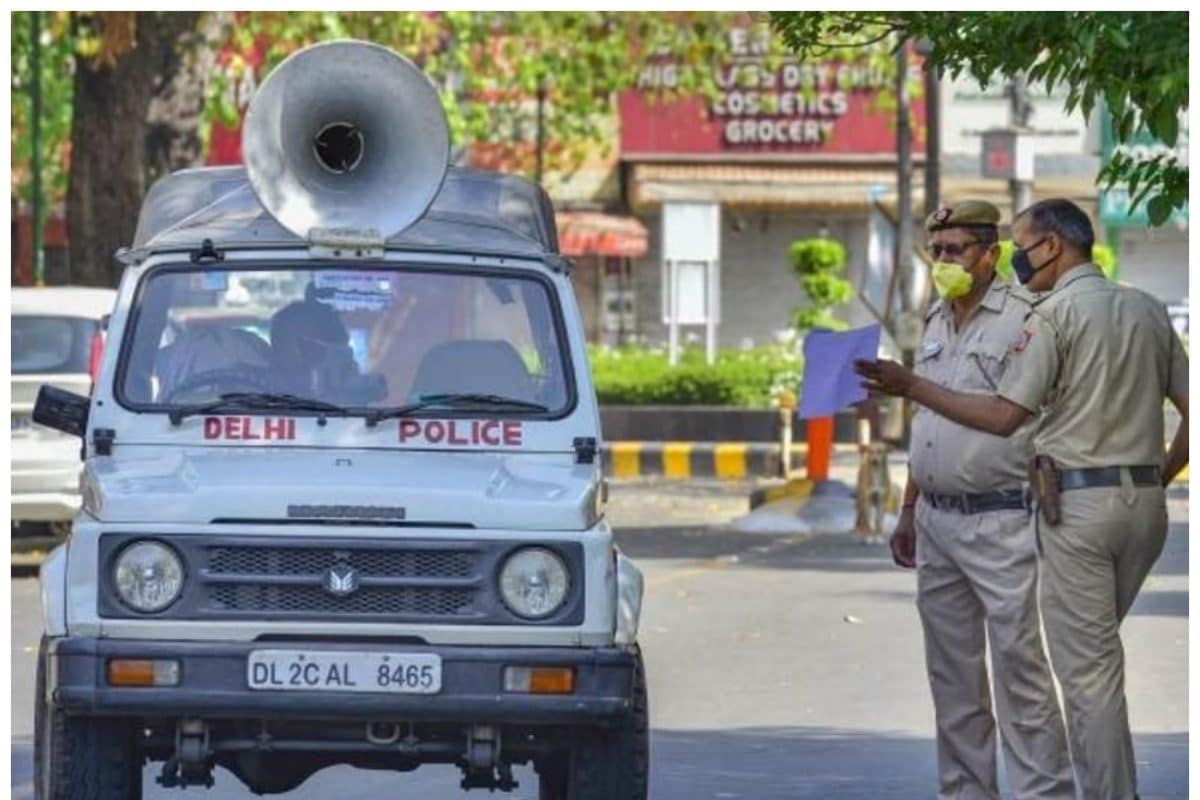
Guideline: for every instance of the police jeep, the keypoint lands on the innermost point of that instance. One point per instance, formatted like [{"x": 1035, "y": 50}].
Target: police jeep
[{"x": 341, "y": 500}]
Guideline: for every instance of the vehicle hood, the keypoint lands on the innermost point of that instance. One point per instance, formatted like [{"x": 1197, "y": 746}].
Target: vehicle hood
[{"x": 529, "y": 491}]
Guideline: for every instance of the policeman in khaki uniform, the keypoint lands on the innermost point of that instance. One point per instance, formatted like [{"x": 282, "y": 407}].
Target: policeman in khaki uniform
[
  {"x": 966, "y": 518},
  {"x": 1094, "y": 362}
]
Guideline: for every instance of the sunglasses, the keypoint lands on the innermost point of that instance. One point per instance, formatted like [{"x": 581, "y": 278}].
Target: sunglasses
[{"x": 952, "y": 250}]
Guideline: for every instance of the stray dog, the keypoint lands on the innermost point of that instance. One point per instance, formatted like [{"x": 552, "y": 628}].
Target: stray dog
[{"x": 876, "y": 495}]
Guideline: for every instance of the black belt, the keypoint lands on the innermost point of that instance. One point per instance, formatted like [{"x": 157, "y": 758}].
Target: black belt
[
  {"x": 978, "y": 503},
  {"x": 1096, "y": 477}
]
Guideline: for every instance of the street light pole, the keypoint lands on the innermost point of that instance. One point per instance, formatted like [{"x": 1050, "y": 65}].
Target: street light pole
[{"x": 35, "y": 101}]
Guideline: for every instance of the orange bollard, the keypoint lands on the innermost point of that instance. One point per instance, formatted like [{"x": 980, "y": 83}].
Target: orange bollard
[{"x": 820, "y": 448}]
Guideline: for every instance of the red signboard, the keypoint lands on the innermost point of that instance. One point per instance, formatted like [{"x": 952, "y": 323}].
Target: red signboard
[
  {"x": 799, "y": 109},
  {"x": 999, "y": 154}
]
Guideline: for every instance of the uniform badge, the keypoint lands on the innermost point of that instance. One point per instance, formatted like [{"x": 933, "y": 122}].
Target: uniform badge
[
  {"x": 942, "y": 215},
  {"x": 930, "y": 349},
  {"x": 1023, "y": 342}
]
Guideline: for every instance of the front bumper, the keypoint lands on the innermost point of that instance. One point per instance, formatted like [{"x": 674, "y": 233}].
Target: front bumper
[{"x": 214, "y": 686}]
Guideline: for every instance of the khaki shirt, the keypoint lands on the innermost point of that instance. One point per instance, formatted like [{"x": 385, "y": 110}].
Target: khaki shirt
[
  {"x": 948, "y": 458},
  {"x": 1097, "y": 359}
]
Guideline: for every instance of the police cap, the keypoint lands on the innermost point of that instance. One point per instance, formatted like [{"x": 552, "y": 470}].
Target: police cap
[{"x": 963, "y": 214}]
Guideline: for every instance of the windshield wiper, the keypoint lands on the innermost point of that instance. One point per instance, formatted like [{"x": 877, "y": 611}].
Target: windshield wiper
[
  {"x": 232, "y": 401},
  {"x": 465, "y": 399}
]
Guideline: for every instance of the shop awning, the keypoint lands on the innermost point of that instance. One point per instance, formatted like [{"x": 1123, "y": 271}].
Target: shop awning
[
  {"x": 845, "y": 186},
  {"x": 591, "y": 233}
]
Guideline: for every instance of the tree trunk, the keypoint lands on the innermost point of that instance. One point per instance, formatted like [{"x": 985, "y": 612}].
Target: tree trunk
[
  {"x": 175, "y": 113},
  {"x": 108, "y": 142}
]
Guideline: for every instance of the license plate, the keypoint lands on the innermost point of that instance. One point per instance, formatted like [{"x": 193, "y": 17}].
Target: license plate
[
  {"x": 344, "y": 671},
  {"x": 21, "y": 423}
]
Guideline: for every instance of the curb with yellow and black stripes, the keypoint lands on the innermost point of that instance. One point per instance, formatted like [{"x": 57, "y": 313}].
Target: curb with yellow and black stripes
[
  {"x": 724, "y": 460},
  {"x": 683, "y": 460}
]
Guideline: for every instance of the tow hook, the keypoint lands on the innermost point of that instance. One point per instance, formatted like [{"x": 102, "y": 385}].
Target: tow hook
[
  {"x": 483, "y": 768},
  {"x": 191, "y": 764},
  {"x": 382, "y": 733}
]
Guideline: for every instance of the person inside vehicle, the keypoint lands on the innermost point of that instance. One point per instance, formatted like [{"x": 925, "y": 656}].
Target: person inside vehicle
[{"x": 311, "y": 356}]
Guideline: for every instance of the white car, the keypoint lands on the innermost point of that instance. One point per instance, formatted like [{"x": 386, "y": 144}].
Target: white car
[
  {"x": 342, "y": 499},
  {"x": 56, "y": 339}
]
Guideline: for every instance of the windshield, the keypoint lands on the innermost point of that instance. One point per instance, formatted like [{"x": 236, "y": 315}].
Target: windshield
[
  {"x": 45, "y": 345},
  {"x": 359, "y": 339}
]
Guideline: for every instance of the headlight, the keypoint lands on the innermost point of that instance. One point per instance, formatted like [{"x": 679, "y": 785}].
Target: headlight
[
  {"x": 149, "y": 576},
  {"x": 534, "y": 582}
]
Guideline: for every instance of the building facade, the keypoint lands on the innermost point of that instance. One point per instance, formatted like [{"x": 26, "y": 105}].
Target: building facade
[
  {"x": 798, "y": 150},
  {"x": 787, "y": 150}
]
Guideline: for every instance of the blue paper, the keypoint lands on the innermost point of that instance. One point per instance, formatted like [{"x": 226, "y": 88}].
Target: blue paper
[{"x": 830, "y": 383}]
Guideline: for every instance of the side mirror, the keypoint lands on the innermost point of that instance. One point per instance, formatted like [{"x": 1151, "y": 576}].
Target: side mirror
[{"x": 62, "y": 410}]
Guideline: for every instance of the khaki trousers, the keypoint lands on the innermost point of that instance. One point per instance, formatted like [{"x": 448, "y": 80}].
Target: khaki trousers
[
  {"x": 1093, "y": 564},
  {"x": 977, "y": 584}
]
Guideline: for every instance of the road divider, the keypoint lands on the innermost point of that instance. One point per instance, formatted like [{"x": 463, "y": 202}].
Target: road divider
[{"x": 684, "y": 460}]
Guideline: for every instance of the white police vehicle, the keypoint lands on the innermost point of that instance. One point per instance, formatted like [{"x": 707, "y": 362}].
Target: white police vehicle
[{"x": 341, "y": 500}]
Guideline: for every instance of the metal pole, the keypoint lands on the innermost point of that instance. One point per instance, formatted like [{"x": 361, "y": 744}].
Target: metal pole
[
  {"x": 1019, "y": 112},
  {"x": 35, "y": 97},
  {"x": 933, "y": 140},
  {"x": 622, "y": 293},
  {"x": 904, "y": 236},
  {"x": 710, "y": 323},
  {"x": 673, "y": 304},
  {"x": 908, "y": 320}
]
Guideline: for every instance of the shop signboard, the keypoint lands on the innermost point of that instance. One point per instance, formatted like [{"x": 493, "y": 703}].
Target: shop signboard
[{"x": 786, "y": 109}]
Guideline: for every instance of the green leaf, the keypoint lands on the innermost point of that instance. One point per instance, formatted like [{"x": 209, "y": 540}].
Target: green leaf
[
  {"x": 1166, "y": 124},
  {"x": 1136, "y": 199},
  {"x": 1159, "y": 209}
]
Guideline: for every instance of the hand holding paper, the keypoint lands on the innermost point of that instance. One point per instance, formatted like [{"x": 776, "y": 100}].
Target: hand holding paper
[
  {"x": 829, "y": 380},
  {"x": 885, "y": 377}
]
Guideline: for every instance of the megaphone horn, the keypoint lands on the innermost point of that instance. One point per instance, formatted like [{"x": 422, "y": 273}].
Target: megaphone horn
[{"x": 346, "y": 134}]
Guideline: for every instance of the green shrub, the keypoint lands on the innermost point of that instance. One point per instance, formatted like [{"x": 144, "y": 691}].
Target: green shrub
[
  {"x": 818, "y": 264},
  {"x": 639, "y": 376}
]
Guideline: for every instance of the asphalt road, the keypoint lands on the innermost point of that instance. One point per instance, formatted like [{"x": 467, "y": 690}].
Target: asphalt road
[{"x": 779, "y": 667}]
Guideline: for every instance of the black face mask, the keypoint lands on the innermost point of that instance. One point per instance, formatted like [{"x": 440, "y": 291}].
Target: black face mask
[{"x": 1022, "y": 266}]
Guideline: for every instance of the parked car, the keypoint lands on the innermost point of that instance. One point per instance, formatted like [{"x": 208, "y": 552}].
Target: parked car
[{"x": 56, "y": 339}]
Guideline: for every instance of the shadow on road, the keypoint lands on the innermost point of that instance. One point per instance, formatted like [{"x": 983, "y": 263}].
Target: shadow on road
[
  {"x": 22, "y": 767},
  {"x": 832, "y": 764},
  {"x": 840, "y": 552},
  {"x": 782, "y": 764},
  {"x": 692, "y": 543},
  {"x": 1160, "y": 604}
]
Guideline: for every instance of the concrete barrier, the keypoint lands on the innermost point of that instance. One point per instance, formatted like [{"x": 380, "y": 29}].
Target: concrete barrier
[{"x": 683, "y": 460}]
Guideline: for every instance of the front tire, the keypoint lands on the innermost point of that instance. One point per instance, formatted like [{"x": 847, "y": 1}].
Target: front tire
[
  {"x": 81, "y": 758},
  {"x": 604, "y": 764}
]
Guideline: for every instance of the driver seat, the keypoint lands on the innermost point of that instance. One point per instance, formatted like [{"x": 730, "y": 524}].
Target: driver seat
[{"x": 473, "y": 366}]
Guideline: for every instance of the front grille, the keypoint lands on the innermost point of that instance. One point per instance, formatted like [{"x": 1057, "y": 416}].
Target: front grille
[
  {"x": 288, "y": 580},
  {"x": 314, "y": 561},
  {"x": 427, "y": 580},
  {"x": 368, "y": 600}
]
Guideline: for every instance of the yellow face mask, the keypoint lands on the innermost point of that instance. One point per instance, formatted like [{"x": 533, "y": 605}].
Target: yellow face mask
[{"x": 951, "y": 280}]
